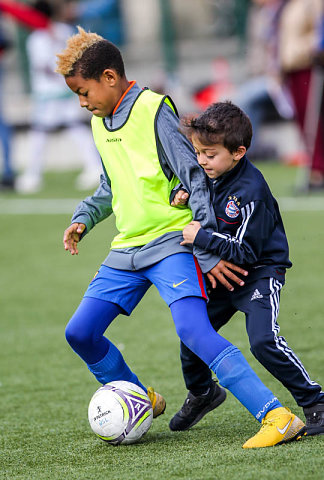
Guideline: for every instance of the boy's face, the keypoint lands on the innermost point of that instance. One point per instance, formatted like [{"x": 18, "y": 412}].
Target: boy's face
[
  {"x": 99, "y": 97},
  {"x": 216, "y": 159}
]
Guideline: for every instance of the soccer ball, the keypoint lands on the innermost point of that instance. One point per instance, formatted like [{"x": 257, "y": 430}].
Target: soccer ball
[{"x": 120, "y": 412}]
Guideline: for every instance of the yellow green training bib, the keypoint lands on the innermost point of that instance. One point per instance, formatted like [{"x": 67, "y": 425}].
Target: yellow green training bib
[{"x": 140, "y": 188}]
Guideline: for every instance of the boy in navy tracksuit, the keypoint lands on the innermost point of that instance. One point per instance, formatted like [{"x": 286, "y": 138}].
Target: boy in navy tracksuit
[{"x": 250, "y": 234}]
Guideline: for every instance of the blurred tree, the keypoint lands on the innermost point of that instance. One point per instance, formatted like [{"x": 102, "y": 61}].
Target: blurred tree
[
  {"x": 241, "y": 8},
  {"x": 230, "y": 17},
  {"x": 168, "y": 37}
]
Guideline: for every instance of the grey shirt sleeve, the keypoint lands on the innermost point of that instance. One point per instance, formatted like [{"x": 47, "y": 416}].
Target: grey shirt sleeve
[
  {"x": 95, "y": 208},
  {"x": 177, "y": 153}
]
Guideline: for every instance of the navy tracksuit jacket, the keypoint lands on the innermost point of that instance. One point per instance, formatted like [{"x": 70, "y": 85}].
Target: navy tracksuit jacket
[{"x": 250, "y": 233}]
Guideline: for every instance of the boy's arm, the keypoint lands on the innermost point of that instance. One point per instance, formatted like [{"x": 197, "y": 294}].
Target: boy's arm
[
  {"x": 245, "y": 248},
  {"x": 87, "y": 214},
  {"x": 179, "y": 155},
  {"x": 94, "y": 209}
]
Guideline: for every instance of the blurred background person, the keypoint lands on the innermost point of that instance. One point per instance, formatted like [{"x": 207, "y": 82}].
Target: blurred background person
[
  {"x": 8, "y": 178},
  {"x": 261, "y": 92},
  {"x": 263, "y": 96},
  {"x": 31, "y": 18},
  {"x": 52, "y": 104},
  {"x": 299, "y": 46}
]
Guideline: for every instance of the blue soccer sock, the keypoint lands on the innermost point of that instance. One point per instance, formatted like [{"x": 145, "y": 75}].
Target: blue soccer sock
[
  {"x": 113, "y": 367},
  {"x": 232, "y": 370},
  {"x": 235, "y": 374},
  {"x": 195, "y": 330}
]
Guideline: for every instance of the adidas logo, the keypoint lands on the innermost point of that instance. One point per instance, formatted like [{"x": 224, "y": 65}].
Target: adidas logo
[{"x": 256, "y": 294}]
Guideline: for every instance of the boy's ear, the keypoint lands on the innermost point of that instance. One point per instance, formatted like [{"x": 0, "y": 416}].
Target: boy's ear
[
  {"x": 240, "y": 152},
  {"x": 110, "y": 76}
]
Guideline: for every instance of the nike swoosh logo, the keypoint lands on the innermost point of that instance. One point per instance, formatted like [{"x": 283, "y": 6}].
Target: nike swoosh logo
[
  {"x": 284, "y": 429},
  {"x": 175, "y": 285}
]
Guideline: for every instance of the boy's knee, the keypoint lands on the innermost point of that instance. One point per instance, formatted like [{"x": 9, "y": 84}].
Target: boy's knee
[
  {"x": 186, "y": 335},
  {"x": 261, "y": 346},
  {"x": 76, "y": 337},
  {"x": 186, "y": 354}
]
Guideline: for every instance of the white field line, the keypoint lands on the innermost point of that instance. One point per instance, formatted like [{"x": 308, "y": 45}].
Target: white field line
[
  {"x": 33, "y": 206},
  {"x": 67, "y": 205},
  {"x": 306, "y": 204}
]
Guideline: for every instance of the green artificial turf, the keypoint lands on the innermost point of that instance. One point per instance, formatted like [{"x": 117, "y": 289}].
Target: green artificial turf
[{"x": 45, "y": 388}]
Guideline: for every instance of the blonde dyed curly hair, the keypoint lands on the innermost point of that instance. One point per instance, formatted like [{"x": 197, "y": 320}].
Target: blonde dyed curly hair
[{"x": 75, "y": 48}]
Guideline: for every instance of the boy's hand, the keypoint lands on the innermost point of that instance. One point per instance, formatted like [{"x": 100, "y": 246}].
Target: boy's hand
[
  {"x": 180, "y": 198},
  {"x": 190, "y": 231},
  {"x": 223, "y": 271},
  {"x": 72, "y": 236}
]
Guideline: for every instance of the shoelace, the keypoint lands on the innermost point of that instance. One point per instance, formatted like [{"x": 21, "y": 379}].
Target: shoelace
[
  {"x": 270, "y": 421},
  {"x": 315, "y": 418},
  {"x": 267, "y": 423},
  {"x": 191, "y": 404}
]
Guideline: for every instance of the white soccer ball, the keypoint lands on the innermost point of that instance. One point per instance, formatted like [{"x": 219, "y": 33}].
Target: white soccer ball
[{"x": 120, "y": 412}]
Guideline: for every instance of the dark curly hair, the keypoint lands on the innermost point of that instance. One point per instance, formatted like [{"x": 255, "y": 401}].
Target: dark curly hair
[{"x": 223, "y": 123}]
